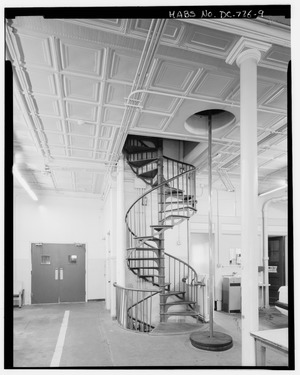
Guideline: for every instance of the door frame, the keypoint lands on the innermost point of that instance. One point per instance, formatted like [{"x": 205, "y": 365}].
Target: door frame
[
  {"x": 286, "y": 258},
  {"x": 286, "y": 254},
  {"x": 61, "y": 243}
]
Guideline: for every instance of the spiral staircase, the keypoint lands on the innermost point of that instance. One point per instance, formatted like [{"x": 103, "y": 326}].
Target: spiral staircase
[{"x": 170, "y": 200}]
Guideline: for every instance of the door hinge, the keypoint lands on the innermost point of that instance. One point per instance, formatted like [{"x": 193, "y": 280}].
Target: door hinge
[
  {"x": 78, "y": 244},
  {"x": 38, "y": 244}
]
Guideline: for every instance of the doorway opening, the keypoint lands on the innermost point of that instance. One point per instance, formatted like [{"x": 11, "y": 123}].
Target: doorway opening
[
  {"x": 58, "y": 273},
  {"x": 277, "y": 266}
]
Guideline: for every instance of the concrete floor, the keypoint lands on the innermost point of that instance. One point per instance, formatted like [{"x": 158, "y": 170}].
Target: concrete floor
[{"x": 93, "y": 339}]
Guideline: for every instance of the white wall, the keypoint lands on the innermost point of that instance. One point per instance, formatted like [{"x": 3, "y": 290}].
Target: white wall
[
  {"x": 59, "y": 220},
  {"x": 227, "y": 229}
]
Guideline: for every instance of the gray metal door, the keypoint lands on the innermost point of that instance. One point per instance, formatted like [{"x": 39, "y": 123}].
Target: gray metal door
[
  {"x": 58, "y": 273},
  {"x": 44, "y": 274},
  {"x": 72, "y": 273}
]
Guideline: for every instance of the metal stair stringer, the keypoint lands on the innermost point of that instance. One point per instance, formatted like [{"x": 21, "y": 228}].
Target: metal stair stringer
[{"x": 170, "y": 200}]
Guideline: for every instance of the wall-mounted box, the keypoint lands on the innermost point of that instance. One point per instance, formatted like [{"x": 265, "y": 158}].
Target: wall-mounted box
[{"x": 231, "y": 294}]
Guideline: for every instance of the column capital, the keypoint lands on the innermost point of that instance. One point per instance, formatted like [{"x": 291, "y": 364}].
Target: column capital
[
  {"x": 240, "y": 51},
  {"x": 248, "y": 54}
]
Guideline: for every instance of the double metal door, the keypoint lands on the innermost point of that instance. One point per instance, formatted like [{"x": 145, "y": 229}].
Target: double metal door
[{"x": 58, "y": 273}]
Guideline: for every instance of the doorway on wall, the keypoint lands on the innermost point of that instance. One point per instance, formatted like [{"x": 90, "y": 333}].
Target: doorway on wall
[
  {"x": 199, "y": 252},
  {"x": 58, "y": 273},
  {"x": 277, "y": 276}
]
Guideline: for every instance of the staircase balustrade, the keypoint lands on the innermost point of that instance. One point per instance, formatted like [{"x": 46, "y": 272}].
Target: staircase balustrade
[
  {"x": 183, "y": 277},
  {"x": 170, "y": 200},
  {"x": 134, "y": 308}
]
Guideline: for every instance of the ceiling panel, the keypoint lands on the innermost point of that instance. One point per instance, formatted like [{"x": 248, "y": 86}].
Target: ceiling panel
[
  {"x": 81, "y": 111},
  {"x": 151, "y": 121},
  {"x": 173, "y": 76},
  {"x": 214, "y": 85},
  {"x": 50, "y": 123},
  {"x": 101, "y": 156},
  {"x": 112, "y": 115},
  {"x": 278, "y": 57},
  {"x": 85, "y": 154},
  {"x": 106, "y": 131},
  {"x": 82, "y": 142},
  {"x": 123, "y": 66},
  {"x": 282, "y": 145},
  {"x": 264, "y": 89},
  {"x": 140, "y": 26},
  {"x": 46, "y": 105},
  {"x": 160, "y": 103},
  {"x": 173, "y": 32},
  {"x": 103, "y": 144},
  {"x": 116, "y": 93},
  {"x": 234, "y": 96},
  {"x": 209, "y": 41},
  {"x": 55, "y": 138},
  {"x": 272, "y": 164},
  {"x": 57, "y": 151},
  {"x": 63, "y": 179},
  {"x": 113, "y": 24},
  {"x": 81, "y": 88},
  {"x": 267, "y": 120},
  {"x": 34, "y": 50},
  {"x": 79, "y": 59},
  {"x": 84, "y": 181},
  {"x": 278, "y": 99},
  {"x": 40, "y": 81},
  {"x": 81, "y": 128}
]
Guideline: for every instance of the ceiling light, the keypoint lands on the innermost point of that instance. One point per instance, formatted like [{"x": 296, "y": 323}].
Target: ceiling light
[
  {"x": 24, "y": 184},
  {"x": 273, "y": 190}
]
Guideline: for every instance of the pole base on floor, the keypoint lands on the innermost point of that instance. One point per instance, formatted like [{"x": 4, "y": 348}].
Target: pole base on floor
[{"x": 217, "y": 343}]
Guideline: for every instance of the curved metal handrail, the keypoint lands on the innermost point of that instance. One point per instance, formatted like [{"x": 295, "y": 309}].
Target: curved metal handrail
[
  {"x": 177, "y": 192},
  {"x": 157, "y": 187},
  {"x": 136, "y": 289},
  {"x": 186, "y": 264},
  {"x": 177, "y": 161},
  {"x": 138, "y": 315}
]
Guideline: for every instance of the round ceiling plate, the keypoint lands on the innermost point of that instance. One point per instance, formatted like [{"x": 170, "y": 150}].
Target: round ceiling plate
[{"x": 198, "y": 122}]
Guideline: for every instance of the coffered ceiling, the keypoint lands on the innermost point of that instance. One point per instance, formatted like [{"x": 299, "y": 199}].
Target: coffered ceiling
[{"x": 81, "y": 85}]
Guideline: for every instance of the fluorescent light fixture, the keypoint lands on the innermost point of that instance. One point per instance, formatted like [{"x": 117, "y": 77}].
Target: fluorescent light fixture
[
  {"x": 273, "y": 191},
  {"x": 24, "y": 184}
]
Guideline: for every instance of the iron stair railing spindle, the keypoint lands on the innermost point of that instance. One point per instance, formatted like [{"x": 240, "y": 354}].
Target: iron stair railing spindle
[{"x": 173, "y": 193}]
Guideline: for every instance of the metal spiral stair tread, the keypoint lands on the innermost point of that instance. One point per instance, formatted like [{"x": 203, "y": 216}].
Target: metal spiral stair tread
[{"x": 140, "y": 156}]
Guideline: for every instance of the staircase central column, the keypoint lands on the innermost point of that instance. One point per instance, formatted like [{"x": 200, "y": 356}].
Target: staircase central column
[{"x": 161, "y": 242}]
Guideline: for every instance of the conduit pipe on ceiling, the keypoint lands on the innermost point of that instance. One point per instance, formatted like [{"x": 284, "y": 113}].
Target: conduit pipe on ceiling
[
  {"x": 24, "y": 100},
  {"x": 151, "y": 44},
  {"x": 265, "y": 245},
  {"x": 150, "y": 47},
  {"x": 273, "y": 112}
]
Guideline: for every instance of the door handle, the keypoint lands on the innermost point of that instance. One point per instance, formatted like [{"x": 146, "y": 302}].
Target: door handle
[
  {"x": 61, "y": 273},
  {"x": 56, "y": 274}
]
